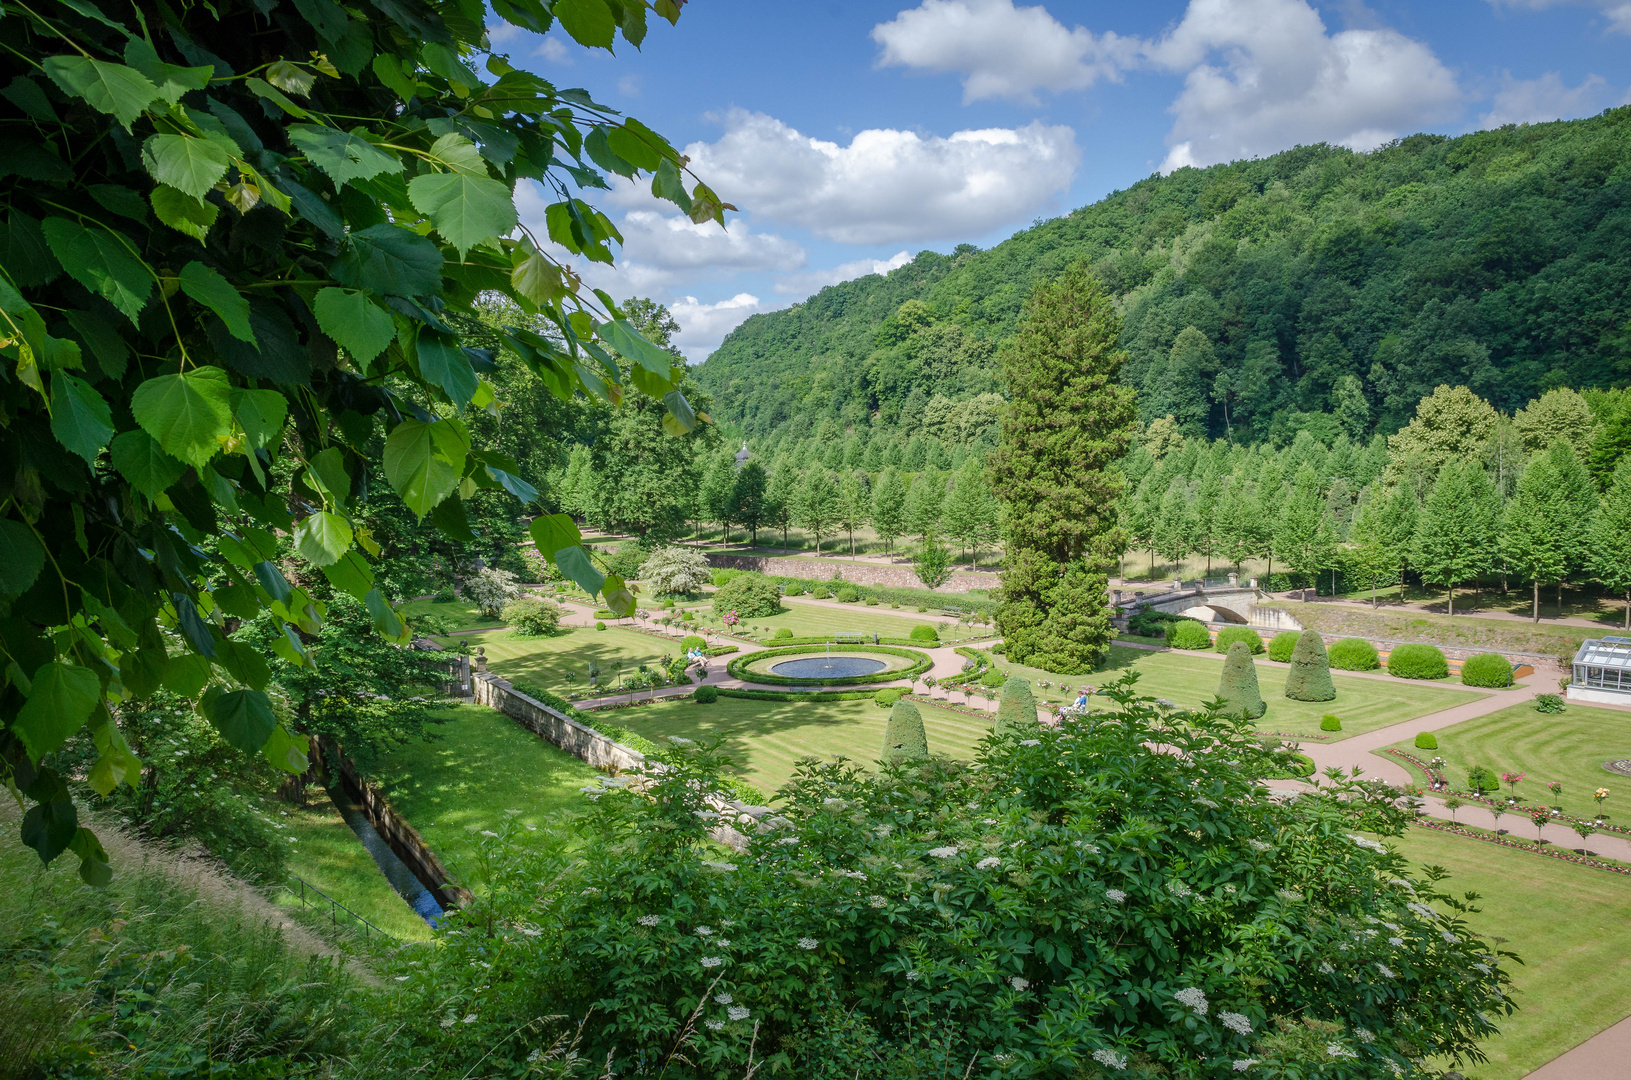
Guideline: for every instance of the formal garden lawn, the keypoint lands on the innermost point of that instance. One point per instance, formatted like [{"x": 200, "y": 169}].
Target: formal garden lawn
[
  {"x": 765, "y": 738},
  {"x": 812, "y": 619},
  {"x": 1569, "y": 748},
  {"x": 1568, "y": 923},
  {"x": 560, "y": 662},
  {"x": 1187, "y": 679},
  {"x": 473, "y": 770},
  {"x": 328, "y": 854},
  {"x": 452, "y": 615}
]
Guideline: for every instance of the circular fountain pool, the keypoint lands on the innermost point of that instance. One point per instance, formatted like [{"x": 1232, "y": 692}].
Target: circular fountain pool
[{"x": 828, "y": 667}]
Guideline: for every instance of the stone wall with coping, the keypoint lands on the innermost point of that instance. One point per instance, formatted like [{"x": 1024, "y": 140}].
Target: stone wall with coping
[{"x": 890, "y": 577}]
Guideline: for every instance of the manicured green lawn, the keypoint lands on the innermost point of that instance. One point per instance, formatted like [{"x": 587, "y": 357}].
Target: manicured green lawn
[
  {"x": 809, "y": 620},
  {"x": 560, "y": 663},
  {"x": 1190, "y": 678},
  {"x": 470, "y": 773},
  {"x": 765, "y": 738},
  {"x": 455, "y": 614},
  {"x": 1569, "y": 748},
  {"x": 328, "y": 854},
  {"x": 1568, "y": 923}
]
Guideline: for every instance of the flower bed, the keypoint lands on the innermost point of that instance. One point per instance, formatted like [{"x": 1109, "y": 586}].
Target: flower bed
[
  {"x": 795, "y": 695},
  {"x": 738, "y": 668},
  {"x": 1439, "y": 784},
  {"x": 1561, "y": 854},
  {"x": 983, "y": 714}
]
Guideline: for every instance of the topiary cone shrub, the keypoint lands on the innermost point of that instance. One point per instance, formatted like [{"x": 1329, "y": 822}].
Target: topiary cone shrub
[
  {"x": 1238, "y": 686},
  {"x": 1231, "y": 634},
  {"x": 1426, "y": 740},
  {"x": 903, "y": 737},
  {"x": 1417, "y": 662},
  {"x": 1283, "y": 645},
  {"x": 1310, "y": 676},
  {"x": 1488, "y": 669},
  {"x": 1354, "y": 654},
  {"x": 1016, "y": 706}
]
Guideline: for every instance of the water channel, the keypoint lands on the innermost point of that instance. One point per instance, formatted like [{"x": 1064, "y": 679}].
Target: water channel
[{"x": 402, "y": 879}]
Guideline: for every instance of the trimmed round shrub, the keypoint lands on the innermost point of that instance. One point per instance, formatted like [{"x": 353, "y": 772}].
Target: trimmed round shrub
[
  {"x": 783, "y": 632},
  {"x": 1330, "y": 722},
  {"x": 1417, "y": 662},
  {"x": 705, "y": 695},
  {"x": 925, "y": 632},
  {"x": 821, "y": 592},
  {"x": 903, "y": 737},
  {"x": 847, "y": 595},
  {"x": 794, "y": 589},
  {"x": 1550, "y": 704},
  {"x": 1016, "y": 705},
  {"x": 1237, "y": 688},
  {"x": 1230, "y": 635},
  {"x": 1487, "y": 669},
  {"x": 1426, "y": 740},
  {"x": 1310, "y": 676},
  {"x": 604, "y": 613},
  {"x": 993, "y": 679},
  {"x": 1354, "y": 654},
  {"x": 531, "y": 617},
  {"x": 692, "y": 641},
  {"x": 1244, "y": 634},
  {"x": 1482, "y": 779},
  {"x": 1283, "y": 645},
  {"x": 1188, "y": 634},
  {"x": 751, "y": 596},
  {"x": 887, "y": 697},
  {"x": 600, "y": 626},
  {"x": 872, "y": 601}
]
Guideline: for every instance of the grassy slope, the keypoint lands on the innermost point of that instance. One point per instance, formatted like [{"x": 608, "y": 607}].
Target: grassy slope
[
  {"x": 1462, "y": 631},
  {"x": 458, "y": 614},
  {"x": 1188, "y": 679},
  {"x": 550, "y": 662},
  {"x": 328, "y": 855},
  {"x": 469, "y": 772},
  {"x": 1568, "y": 923},
  {"x": 767, "y": 737},
  {"x": 1569, "y": 748}
]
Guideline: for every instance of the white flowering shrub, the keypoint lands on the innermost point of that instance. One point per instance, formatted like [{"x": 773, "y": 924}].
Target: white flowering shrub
[
  {"x": 1127, "y": 899},
  {"x": 491, "y": 589},
  {"x": 675, "y": 571}
]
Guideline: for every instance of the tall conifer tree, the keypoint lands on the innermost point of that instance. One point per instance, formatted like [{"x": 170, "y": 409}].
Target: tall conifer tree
[
  {"x": 1069, "y": 422},
  {"x": 889, "y": 507},
  {"x": 1455, "y": 537},
  {"x": 1532, "y": 530}
]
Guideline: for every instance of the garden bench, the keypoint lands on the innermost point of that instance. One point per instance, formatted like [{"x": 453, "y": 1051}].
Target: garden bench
[{"x": 849, "y": 639}]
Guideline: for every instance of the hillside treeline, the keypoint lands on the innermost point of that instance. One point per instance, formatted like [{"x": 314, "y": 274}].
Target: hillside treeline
[{"x": 1319, "y": 289}]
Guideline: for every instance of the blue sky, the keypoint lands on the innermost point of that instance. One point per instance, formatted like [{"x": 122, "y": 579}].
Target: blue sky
[{"x": 853, "y": 135}]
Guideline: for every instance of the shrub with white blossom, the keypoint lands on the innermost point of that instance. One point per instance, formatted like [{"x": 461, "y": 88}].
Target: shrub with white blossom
[{"x": 1124, "y": 898}]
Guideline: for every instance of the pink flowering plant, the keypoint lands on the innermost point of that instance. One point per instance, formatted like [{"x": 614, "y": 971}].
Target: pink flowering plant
[{"x": 1117, "y": 895}]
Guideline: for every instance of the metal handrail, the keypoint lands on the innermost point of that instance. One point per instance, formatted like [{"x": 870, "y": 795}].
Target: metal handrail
[{"x": 335, "y": 907}]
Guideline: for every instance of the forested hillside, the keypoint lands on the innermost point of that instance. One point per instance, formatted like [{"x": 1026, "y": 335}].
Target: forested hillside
[{"x": 1319, "y": 289}]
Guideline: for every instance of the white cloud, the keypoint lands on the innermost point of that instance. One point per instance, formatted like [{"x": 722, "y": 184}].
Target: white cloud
[
  {"x": 1001, "y": 51},
  {"x": 704, "y": 326},
  {"x": 801, "y": 285},
  {"x": 1263, "y": 75},
  {"x": 887, "y": 186},
  {"x": 1617, "y": 12},
  {"x": 629, "y": 86},
  {"x": 554, "y": 50},
  {"x": 1535, "y": 101}
]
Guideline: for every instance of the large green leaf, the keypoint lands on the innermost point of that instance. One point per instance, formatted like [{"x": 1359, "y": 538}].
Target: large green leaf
[
  {"x": 50, "y": 827},
  {"x": 345, "y": 157},
  {"x": 423, "y": 463},
  {"x": 552, "y": 532},
  {"x": 188, "y": 164},
  {"x": 350, "y": 574},
  {"x": 111, "y": 88},
  {"x": 288, "y": 753},
  {"x": 467, "y": 210},
  {"x": 21, "y": 557},
  {"x": 183, "y": 213},
  {"x": 574, "y": 563},
  {"x": 172, "y": 81},
  {"x": 80, "y": 419},
  {"x": 389, "y": 259},
  {"x": 261, "y": 414},
  {"x": 59, "y": 702},
  {"x": 189, "y": 413},
  {"x": 244, "y": 663},
  {"x": 98, "y": 261},
  {"x": 243, "y": 717},
  {"x": 443, "y": 363},
  {"x": 622, "y": 336},
  {"x": 94, "y": 868},
  {"x": 186, "y": 674},
  {"x": 143, "y": 462},
  {"x": 216, "y": 293},
  {"x": 323, "y": 537},
  {"x": 590, "y": 22},
  {"x": 357, "y": 324}
]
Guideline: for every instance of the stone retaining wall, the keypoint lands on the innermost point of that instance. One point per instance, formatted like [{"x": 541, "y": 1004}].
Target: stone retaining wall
[
  {"x": 551, "y": 726},
  {"x": 403, "y": 839},
  {"x": 892, "y": 577}
]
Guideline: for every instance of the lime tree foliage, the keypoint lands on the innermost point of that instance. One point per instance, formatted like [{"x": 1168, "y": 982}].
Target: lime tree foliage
[
  {"x": 1115, "y": 896},
  {"x": 1068, "y": 424},
  {"x": 236, "y": 248},
  {"x": 1318, "y": 289}
]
